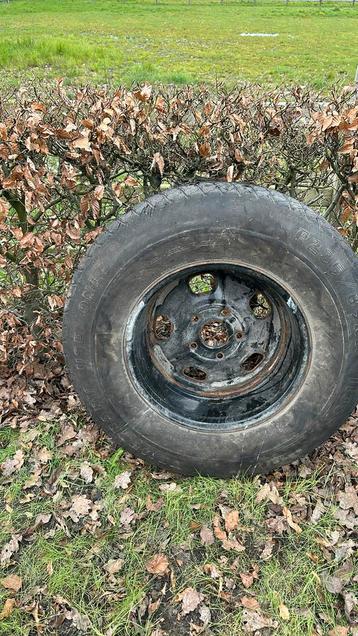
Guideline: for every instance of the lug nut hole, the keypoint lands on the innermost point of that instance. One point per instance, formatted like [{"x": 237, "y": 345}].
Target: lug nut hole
[
  {"x": 193, "y": 345},
  {"x": 220, "y": 356},
  {"x": 252, "y": 362},
  {"x": 202, "y": 284},
  {"x": 194, "y": 373},
  {"x": 260, "y": 306},
  {"x": 162, "y": 327}
]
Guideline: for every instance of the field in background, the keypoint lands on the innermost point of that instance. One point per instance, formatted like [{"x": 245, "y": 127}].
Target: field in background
[{"x": 113, "y": 41}]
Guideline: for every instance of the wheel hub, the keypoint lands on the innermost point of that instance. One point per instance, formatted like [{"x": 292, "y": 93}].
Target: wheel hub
[
  {"x": 226, "y": 336},
  {"x": 215, "y": 334},
  {"x": 217, "y": 339}
]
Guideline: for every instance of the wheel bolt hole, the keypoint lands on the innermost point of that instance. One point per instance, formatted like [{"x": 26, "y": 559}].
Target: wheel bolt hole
[
  {"x": 239, "y": 335},
  {"x": 202, "y": 284},
  {"x": 195, "y": 318},
  {"x": 226, "y": 311},
  {"x": 252, "y": 362},
  {"x": 162, "y": 327},
  {"x": 219, "y": 356},
  {"x": 260, "y": 306},
  {"x": 193, "y": 345},
  {"x": 194, "y": 373}
]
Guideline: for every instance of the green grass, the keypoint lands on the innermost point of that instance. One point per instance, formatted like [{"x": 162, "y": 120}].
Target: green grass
[
  {"x": 61, "y": 563},
  {"x": 115, "y": 41}
]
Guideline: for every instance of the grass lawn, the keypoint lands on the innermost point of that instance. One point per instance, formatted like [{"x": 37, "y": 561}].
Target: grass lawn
[
  {"x": 80, "y": 524},
  {"x": 110, "y": 40}
]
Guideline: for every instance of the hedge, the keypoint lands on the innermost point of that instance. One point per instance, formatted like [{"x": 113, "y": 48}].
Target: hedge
[{"x": 73, "y": 160}]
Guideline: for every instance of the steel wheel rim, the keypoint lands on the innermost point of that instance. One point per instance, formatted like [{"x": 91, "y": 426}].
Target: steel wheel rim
[{"x": 209, "y": 360}]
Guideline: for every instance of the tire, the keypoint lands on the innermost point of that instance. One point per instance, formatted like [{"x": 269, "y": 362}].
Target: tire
[{"x": 242, "y": 237}]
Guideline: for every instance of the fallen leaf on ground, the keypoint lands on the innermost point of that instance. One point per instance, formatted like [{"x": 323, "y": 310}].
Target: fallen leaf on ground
[
  {"x": 332, "y": 583},
  {"x": 317, "y": 512},
  {"x": 231, "y": 520},
  {"x": 248, "y": 578},
  {"x": 86, "y": 472},
  {"x": 254, "y": 621},
  {"x": 206, "y": 536},
  {"x": 267, "y": 551},
  {"x": 212, "y": 570},
  {"x": 228, "y": 544},
  {"x": 338, "y": 631},
  {"x": 113, "y": 566},
  {"x": 169, "y": 487},
  {"x": 44, "y": 455},
  {"x": 80, "y": 505},
  {"x": 250, "y": 603},
  {"x": 10, "y": 548},
  {"x": 7, "y": 609},
  {"x": 288, "y": 516},
  {"x": 67, "y": 433},
  {"x": 127, "y": 516},
  {"x": 269, "y": 492},
  {"x": 205, "y": 615},
  {"x": 348, "y": 499},
  {"x": 190, "y": 599},
  {"x": 12, "y": 464},
  {"x": 153, "y": 506},
  {"x": 80, "y": 621},
  {"x": 350, "y": 603},
  {"x": 123, "y": 480},
  {"x": 12, "y": 582},
  {"x": 284, "y": 612},
  {"x": 158, "y": 564}
]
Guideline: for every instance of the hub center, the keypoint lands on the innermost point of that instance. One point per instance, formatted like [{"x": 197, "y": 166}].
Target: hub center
[{"x": 215, "y": 334}]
